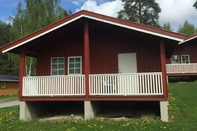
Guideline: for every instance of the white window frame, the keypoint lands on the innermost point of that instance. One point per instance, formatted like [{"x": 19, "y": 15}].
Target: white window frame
[
  {"x": 174, "y": 62},
  {"x": 57, "y": 64},
  {"x": 3, "y": 85},
  {"x": 185, "y": 62},
  {"x": 80, "y": 65}
]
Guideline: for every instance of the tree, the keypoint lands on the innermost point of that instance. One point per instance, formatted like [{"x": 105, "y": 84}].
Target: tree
[
  {"x": 167, "y": 26},
  {"x": 195, "y": 5},
  {"x": 36, "y": 15},
  {"x": 6, "y": 67},
  {"x": 141, "y": 11},
  {"x": 187, "y": 28}
]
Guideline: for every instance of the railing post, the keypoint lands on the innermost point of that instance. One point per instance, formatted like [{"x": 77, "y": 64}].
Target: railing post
[
  {"x": 86, "y": 58},
  {"x": 22, "y": 72},
  {"x": 163, "y": 68}
]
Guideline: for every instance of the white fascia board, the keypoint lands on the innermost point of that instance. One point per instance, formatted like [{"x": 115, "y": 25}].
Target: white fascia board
[
  {"x": 136, "y": 29},
  {"x": 187, "y": 40},
  {"x": 90, "y": 17}
]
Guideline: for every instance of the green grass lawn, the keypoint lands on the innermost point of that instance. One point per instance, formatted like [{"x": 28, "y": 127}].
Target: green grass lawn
[
  {"x": 9, "y": 97},
  {"x": 182, "y": 110}
]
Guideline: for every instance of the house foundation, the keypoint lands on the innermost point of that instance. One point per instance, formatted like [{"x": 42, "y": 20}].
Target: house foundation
[
  {"x": 90, "y": 109},
  {"x": 28, "y": 110},
  {"x": 164, "y": 110}
]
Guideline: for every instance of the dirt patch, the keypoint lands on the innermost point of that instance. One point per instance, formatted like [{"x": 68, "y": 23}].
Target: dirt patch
[{"x": 63, "y": 117}]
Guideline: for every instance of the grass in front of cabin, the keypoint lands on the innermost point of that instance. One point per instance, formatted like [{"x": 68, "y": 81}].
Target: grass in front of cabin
[
  {"x": 182, "y": 110},
  {"x": 9, "y": 97}
]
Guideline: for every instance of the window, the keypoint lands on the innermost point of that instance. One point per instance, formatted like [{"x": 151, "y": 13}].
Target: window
[
  {"x": 74, "y": 65},
  {"x": 3, "y": 85},
  {"x": 175, "y": 59},
  {"x": 57, "y": 66},
  {"x": 185, "y": 59}
]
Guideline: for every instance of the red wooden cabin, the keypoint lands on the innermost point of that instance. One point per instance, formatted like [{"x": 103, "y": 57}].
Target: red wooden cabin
[
  {"x": 184, "y": 59},
  {"x": 91, "y": 57}
]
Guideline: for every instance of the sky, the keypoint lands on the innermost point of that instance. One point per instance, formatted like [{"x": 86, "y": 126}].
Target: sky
[{"x": 173, "y": 11}]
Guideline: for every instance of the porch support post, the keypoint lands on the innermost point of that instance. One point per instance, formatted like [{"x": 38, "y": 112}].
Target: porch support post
[
  {"x": 164, "y": 104},
  {"x": 163, "y": 68},
  {"x": 22, "y": 72},
  {"x": 86, "y": 57}
]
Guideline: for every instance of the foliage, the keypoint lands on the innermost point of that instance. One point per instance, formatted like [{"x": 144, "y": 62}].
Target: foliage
[
  {"x": 167, "y": 26},
  {"x": 36, "y": 15},
  {"x": 141, "y": 11},
  {"x": 187, "y": 28},
  {"x": 182, "y": 111},
  {"x": 195, "y": 5},
  {"x": 6, "y": 66}
]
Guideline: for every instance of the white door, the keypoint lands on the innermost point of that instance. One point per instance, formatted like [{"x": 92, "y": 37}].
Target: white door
[
  {"x": 127, "y": 63},
  {"x": 127, "y": 84}
]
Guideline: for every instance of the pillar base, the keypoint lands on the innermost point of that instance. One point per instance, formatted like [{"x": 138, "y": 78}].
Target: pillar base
[{"x": 164, "y": 111}]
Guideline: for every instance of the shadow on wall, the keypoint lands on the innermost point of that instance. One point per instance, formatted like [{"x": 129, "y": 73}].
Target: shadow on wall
[{"x": 182, "y": 79}]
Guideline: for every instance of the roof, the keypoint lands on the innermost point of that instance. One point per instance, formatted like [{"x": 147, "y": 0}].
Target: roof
[
  {"x": 96, "y": 17},
  {"x": 189, "y": 39},
  {"x": 8, "y": 78}
]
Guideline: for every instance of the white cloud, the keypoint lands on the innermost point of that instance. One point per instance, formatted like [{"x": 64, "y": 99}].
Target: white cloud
[
  {"x": 109, "y": 8},
  {"x": 173, "y": 11},
  {"x": 76, "y": 3},
  {"x": 177, "y": 11}
]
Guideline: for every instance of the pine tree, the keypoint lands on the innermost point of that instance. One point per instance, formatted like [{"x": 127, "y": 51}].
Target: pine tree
[
  {"x": 141, "y": 11},
  {"x": 187, "y": 28},
  {"x": 195, "y": 5},
  {"x": 167, "y": 26}
]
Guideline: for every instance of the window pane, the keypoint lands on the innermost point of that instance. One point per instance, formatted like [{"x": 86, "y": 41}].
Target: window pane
[
  {"x": 71, "y": 71},
  {"x": 71, "y": 65},
  {"x": 71, "y": 60},
  {"x": 175, "y": 59},
  {"x": 77, "y": 65},
  {"x": 54, "y": 60},
  {"x": 61, "y": 72},
  {"x": 61, "y": 66},
  {"x": 77, "y": 71},
  {"x": 54, "y": 66},
  {"x": 61, "y": 60},
  {"x": 54, "y": 72},
  {"x": 77, "y": 59},
  {"x": 57, "y": 66},
  {"x": 185, "y": 59}
]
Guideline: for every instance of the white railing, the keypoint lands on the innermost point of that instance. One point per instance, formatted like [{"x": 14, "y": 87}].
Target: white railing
[
  {"x": 53, "y": 86},
  {"x": 126, "y": 84},
  {"x": 181, "y": 68}
]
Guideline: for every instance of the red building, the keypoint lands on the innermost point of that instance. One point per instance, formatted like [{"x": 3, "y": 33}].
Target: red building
[
  {"x": 90, "y": 57},
  {"x": 184, "y": 59}
]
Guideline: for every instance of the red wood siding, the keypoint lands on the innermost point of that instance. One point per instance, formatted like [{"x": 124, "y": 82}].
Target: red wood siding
[
  {"x": 105, "y": 44},
  {"x": 186, "y": 49},
  {"x": 71, "y": 45}
]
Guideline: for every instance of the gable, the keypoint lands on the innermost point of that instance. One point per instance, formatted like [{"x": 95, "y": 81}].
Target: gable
[{"x": 77, "y": 18}]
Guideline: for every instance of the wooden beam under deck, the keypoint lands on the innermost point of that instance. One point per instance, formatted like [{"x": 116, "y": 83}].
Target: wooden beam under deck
[{"x": 159, "y": 98}]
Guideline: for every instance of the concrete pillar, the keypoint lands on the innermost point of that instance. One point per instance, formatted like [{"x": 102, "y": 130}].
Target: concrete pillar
[
  {"x": 90, "y": 109},
  {"x": 25, "y": 113},
  {"x": 164, "y": 110}
]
